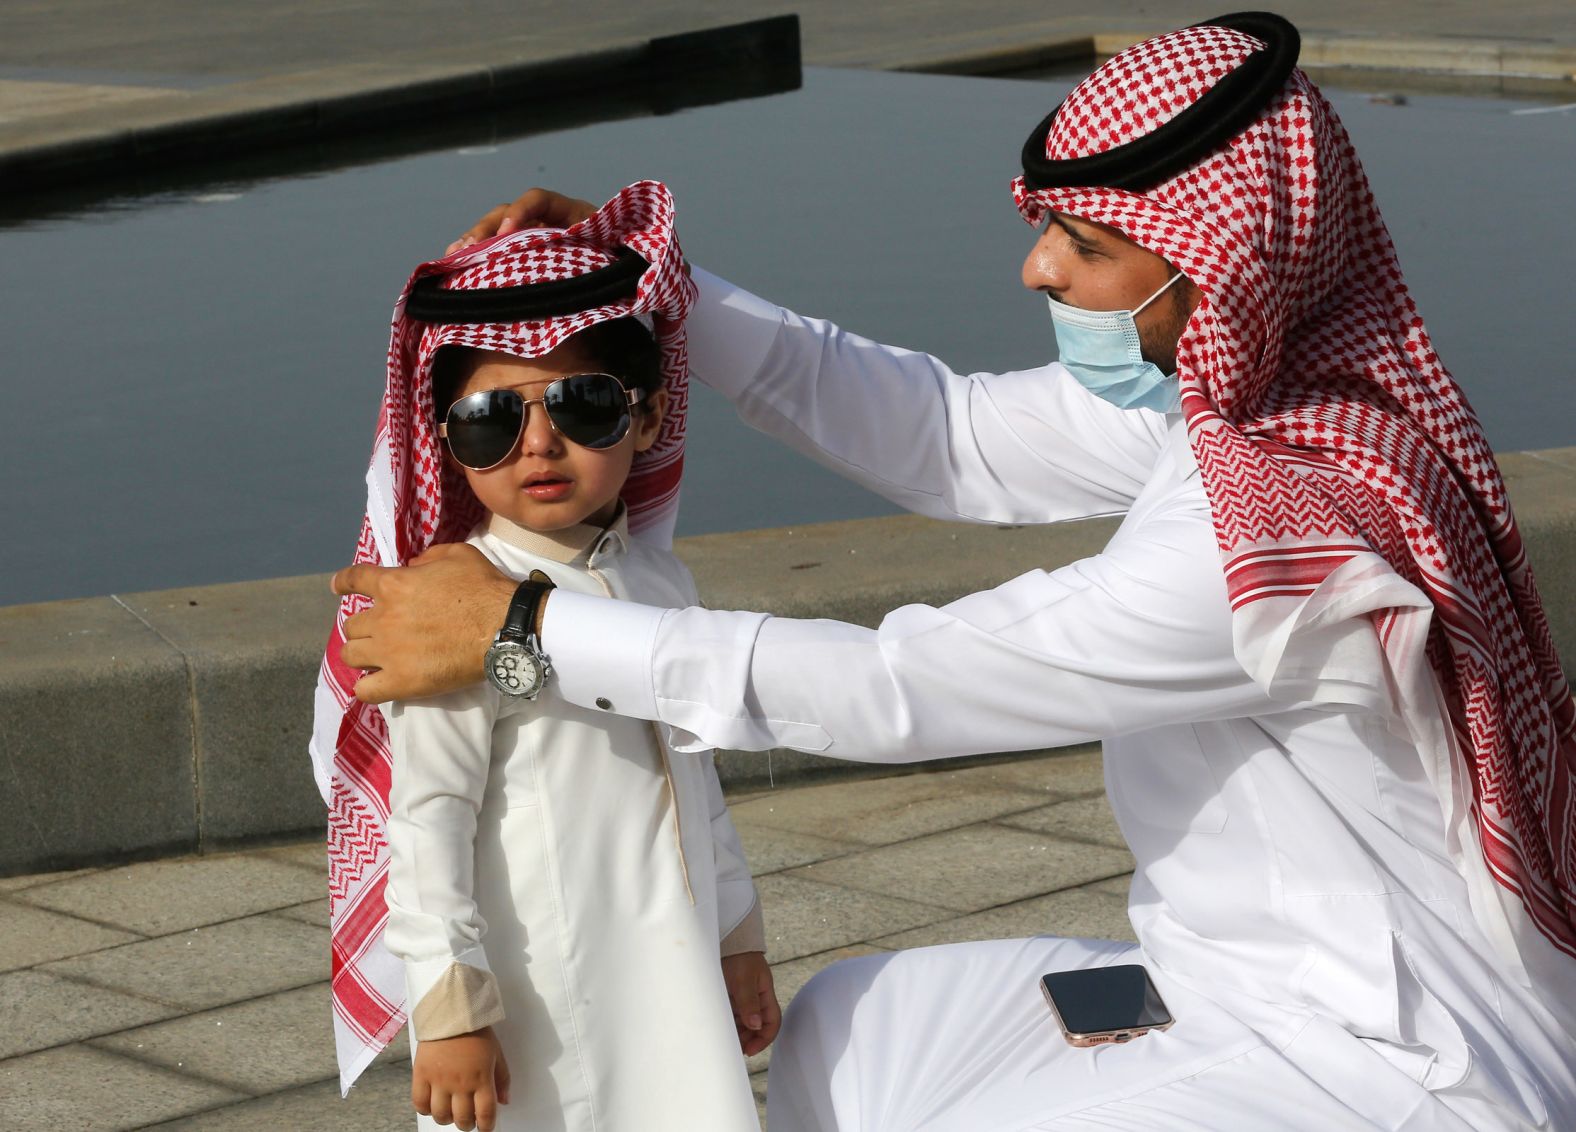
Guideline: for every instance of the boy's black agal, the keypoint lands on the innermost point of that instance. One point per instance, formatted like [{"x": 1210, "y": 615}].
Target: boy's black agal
[
  {"x": 429, "y": 301},
  {"x": 1219, "y": 115}
]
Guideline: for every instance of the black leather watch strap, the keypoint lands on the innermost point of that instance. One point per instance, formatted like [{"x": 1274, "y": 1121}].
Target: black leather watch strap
[{"x": 525, "y": 608}]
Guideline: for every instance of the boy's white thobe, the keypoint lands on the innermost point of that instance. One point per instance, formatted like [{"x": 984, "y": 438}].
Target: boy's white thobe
[
  {"x": 559, "y": 875},
  {"x": 1294, "y": 898}
]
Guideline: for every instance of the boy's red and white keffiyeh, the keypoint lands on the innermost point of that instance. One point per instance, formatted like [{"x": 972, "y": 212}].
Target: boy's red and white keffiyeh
[
  {"x": 416, "y": 499},
  {"x": 1346, "y": 472}
]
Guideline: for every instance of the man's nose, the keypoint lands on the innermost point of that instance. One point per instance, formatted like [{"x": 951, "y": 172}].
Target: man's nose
[{"x": 1042, "y": 271}]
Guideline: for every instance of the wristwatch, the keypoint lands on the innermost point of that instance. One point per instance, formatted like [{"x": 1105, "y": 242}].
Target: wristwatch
[{"x": 516, "y": 664}]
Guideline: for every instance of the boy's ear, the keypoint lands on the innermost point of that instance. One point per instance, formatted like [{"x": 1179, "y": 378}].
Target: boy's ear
[{"x": 649, "y": 422}]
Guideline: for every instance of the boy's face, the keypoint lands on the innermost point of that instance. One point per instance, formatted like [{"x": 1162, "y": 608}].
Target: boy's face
[{"x": 548, "y": 483}]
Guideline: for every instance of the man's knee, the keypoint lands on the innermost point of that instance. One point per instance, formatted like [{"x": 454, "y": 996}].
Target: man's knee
[
  {"x": 817, "y": 1041},
  {"x": 835, "y": 989},
  {"x": 828, "y": 1000}
]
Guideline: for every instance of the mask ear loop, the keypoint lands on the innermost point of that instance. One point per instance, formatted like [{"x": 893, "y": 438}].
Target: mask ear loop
[{"x": 1166, "y": 286}]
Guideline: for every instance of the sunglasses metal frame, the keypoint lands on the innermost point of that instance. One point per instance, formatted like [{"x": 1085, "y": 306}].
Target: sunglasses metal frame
[{"x": 632, "y": 400}]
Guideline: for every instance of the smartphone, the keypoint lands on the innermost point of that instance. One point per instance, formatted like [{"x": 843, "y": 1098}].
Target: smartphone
[{"x": 1096, "y": 1005}]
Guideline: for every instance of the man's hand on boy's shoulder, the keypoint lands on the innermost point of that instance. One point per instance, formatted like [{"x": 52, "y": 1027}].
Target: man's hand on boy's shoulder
[
  {"x": 461, "y": 1080},
  {"x": 753, "y": 996},
  {"x": 534, "y": 208},
  {"x": 430, "y": 623}
]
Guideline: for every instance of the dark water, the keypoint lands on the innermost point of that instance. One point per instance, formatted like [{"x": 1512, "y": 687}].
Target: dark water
[{"x": 189, "y": 380}]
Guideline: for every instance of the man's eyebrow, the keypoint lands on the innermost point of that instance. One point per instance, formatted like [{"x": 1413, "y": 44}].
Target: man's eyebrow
[{"x": 1076, "y": 236}]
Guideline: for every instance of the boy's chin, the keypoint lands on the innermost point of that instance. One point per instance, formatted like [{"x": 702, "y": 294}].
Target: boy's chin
[{"x": 545, "y": 518}]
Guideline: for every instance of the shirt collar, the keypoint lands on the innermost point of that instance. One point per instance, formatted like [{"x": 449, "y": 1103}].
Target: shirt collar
[{"x": 567, "y": 544}]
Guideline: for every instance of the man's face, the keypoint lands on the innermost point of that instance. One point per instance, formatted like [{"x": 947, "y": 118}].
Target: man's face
[{"x": 1094, "y": 267}]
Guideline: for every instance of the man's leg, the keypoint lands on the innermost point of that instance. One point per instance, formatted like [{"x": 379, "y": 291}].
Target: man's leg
[
  {"x": 959, "y": 1039},
  {"x": 910, "y": 1040}
]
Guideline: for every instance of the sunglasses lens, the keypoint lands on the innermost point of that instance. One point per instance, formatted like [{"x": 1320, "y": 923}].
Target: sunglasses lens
[
  {"x": 589, "y": 409},
  {"x": 484, "y": 427}
]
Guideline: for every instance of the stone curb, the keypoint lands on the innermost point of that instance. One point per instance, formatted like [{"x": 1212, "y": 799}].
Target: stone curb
[
  {"x": 140, "y": 725},
  {"x": 1007, "y": 60},
  {"x": 760, "y": 56},
  {"x": 1518, "y": 65},
  {"x": 1516, "y": 58},
  {"x": 672, "y": 71}
]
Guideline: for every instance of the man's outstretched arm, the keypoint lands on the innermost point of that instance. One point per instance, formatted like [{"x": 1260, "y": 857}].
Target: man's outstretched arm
[
  {"x": 1025, "y": 447},
  {"x": 430, "y": 623}
]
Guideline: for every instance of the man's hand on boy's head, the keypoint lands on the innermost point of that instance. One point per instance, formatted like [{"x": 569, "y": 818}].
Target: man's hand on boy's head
[
  {"x": 430, "y": 624},
  {"x": 535, "y": 208},
  {"x": 753, "y": 996},
  {"x": 461, "y": 1080}
]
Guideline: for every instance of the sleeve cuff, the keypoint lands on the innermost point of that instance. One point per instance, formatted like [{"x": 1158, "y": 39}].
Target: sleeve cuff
[
  {"x": 462, "y": 1000},
  {"x": 601, "y": 652},
  {"x": 729, "y": 333},
  {"x": 750, "y": 935}
]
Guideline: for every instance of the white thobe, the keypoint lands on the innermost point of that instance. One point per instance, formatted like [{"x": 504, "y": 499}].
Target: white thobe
[
  {"x": 1294, "y": 897},
  {"x": 558, "y": 874}
]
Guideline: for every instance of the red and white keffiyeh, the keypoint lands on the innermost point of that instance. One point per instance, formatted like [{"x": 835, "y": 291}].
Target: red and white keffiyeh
[
  {"x": 416, "y": 499},
  {"x": 1345, "y": 469}
]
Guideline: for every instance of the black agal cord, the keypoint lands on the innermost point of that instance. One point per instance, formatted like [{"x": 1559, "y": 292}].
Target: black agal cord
[
  {"x": 527, "y": 302},
  {"x": 1219, "y": 115}
]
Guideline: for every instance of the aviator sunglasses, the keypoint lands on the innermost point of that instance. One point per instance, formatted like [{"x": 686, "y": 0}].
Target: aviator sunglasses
[{"x": 588, "y": 409}]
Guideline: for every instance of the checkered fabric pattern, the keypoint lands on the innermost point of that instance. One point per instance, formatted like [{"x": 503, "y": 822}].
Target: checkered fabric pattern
[
  {"x": 1333, "y": 444},
  {"x": 416, "y": 499}
]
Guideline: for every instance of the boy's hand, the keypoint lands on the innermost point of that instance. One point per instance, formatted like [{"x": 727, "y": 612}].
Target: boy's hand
[
  {"x": 430, "y": 625},
  {"x": 753, "y": 995},
  {"x": 461, "y": 1080},
  {"x": 535, "y": 208}
]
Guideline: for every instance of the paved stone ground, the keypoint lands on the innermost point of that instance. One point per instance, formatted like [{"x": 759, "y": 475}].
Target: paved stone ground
[{"x": 191, "y": 993}]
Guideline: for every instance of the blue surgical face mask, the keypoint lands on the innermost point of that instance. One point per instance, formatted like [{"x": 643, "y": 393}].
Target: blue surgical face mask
[{"x": 1102, "y": 351}]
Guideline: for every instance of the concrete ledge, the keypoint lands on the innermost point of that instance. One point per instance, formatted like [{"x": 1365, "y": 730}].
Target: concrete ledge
[
  {"x": 637, "y": 75},
  {"x": 1505, "y": 58},
  {"x": 145, "y": 724},
  {"x": 1469, "y": 66},
  {"x": 1543, "y": 491},
  {"x": 96, "y": 739},
  {"x": 661, "y": 74},
  {"x": 248, "y": 648},
  {"x": 1007, "y": 60},
  {"x": 1482, "y": 65}
]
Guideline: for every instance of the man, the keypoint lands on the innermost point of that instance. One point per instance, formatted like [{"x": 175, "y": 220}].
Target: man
[{"x": 1337, "y": 738}]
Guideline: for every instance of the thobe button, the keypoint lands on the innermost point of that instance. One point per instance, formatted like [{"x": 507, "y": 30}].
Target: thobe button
[{"x": 604, "y": 703}]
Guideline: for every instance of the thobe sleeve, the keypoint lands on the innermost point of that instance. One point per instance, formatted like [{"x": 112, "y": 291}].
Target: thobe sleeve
[
  {"x": 739, "y": 918},
  {"x": 1136, "y": 637},
  {"x": 904, "y": 425},
  {"x": 442, "y": 749}
]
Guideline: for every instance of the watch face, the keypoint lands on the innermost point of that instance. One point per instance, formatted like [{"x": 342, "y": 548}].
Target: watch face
[{"x": 513, "y": 669}]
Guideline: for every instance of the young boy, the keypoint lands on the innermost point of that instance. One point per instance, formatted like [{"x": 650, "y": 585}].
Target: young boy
[{"x": 580, "y": 937}]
